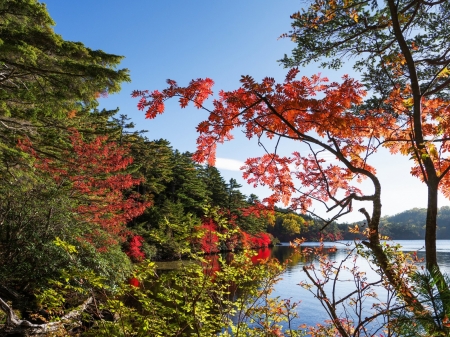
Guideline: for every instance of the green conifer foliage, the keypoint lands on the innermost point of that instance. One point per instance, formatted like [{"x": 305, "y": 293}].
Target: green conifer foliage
[{"x": 40, "y": 73}]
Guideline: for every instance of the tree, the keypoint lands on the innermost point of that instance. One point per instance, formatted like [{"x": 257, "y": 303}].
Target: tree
[
  {"x": 33, "y": 213},
  {"x": 154, "y": 162},
  {"x": 215, "y": 186},
  {"x": 407, "y": 225},
  {"x": 66, "y": 218},
  {"x": 80, "y": 189},
  {"x": 254, "y": 218},
  {"x": 46, "y": 81},
  {"x": 291, "y": 110},
  {"x": 83, "y": 203},
  {"x": 182, "y": 186},
  {"x": 187, "y": 187},
  {"x": 402, "y": 48},
  {"x": 235, "y": 199},
  {"x": 175, "y": 184},
  {"x": 42, "y": 74},
  {"x": 96, "y": 173}
]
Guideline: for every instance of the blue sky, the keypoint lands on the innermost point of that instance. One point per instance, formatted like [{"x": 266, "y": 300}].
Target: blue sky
[{"x": 223, "y": 40}]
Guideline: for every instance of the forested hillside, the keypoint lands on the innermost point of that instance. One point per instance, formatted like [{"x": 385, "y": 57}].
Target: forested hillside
[
  {"x": 410, "y": 224},
  {"x": 188, "y": 200},
  {"x": 407, "y": 225}
]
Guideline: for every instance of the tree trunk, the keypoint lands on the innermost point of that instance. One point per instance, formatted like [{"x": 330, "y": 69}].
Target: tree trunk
[
  {"x": 17, "y": 327},
  {"x": 430, "y": 248},
  {"x": 431, "y": 226},
  {"x": 383, "y": 260}
]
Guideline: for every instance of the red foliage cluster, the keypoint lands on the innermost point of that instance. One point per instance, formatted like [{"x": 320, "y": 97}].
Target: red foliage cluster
[
  {"x": 258, "y": 210},
  {"x": 209, "y": 241},
  {"x": 134, "y": 282},
  {"x": 288, "y": 109},
  {"x": 259, "y": 240},
  {"x": 134, "y": 250},
  {"x": 96, "y": 172},
  {"x": 263, "y": 254}
]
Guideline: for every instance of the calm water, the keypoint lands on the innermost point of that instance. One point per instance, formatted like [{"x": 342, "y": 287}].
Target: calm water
[{"x": 310, "y": 309}]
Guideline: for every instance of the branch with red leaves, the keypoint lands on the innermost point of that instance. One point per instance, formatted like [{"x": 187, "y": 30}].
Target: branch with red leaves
[{"x": 289, "y": 110}]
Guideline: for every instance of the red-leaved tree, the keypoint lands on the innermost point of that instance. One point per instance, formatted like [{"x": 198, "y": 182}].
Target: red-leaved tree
[
  {"x": 323, "y": 117},
  {"x": 96, "y": 173}
]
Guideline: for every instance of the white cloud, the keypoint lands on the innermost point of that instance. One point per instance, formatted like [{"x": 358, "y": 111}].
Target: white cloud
[
  {"x": 327, "y": 156},
  {"x": 229, "y": 164}
]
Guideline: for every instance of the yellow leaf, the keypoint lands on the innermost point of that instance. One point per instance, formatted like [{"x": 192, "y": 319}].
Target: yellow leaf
[
  {"x": 408, "y": 103},
  {"x": 444, "y": 73},
  {"x": 354, "y": 230},
  {"x": 433, "y": 152}
]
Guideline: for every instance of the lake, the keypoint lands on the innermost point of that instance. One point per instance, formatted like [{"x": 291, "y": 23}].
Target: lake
[{"x": 310, "y": 310}]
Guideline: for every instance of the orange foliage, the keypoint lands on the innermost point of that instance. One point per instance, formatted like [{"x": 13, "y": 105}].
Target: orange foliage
[
  {"x": 324, "y": 116},
  {"x": 71, "y": 114}
]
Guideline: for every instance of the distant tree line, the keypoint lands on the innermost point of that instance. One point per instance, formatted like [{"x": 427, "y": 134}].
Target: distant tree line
[
  {"x": 407, "y": 225},
  {"x": 410, "y": 224}
]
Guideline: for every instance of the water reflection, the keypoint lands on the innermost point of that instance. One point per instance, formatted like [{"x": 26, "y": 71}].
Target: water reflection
[
  {"x": 310, "y": 310},
  {"x": 262, "y": 254}
]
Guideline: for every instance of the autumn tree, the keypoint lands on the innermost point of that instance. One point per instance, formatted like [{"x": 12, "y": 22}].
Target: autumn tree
[
  {"x": 96, "y": 172},
  {"x": 288, "y": 110},
  {"x": 85, "y": 199},
  {"x": 401, "y": 49},
  {"x": 319, "y": 117}
]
